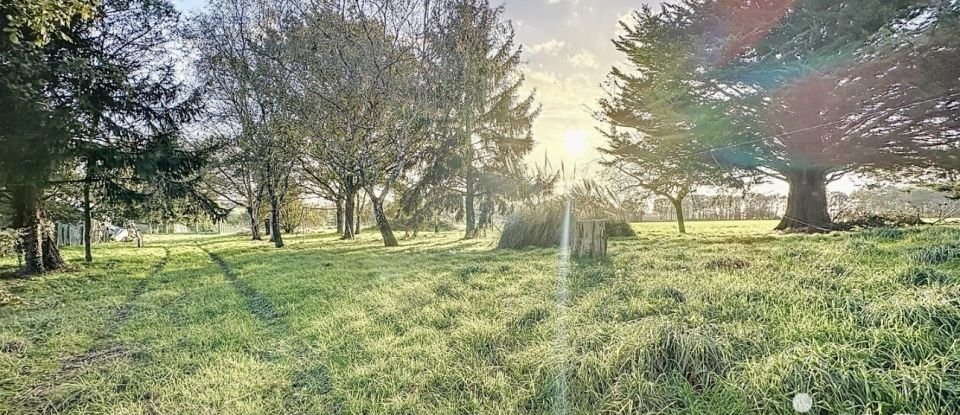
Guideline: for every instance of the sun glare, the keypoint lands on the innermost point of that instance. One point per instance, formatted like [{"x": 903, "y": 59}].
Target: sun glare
[{"x": 575, "y": 141}]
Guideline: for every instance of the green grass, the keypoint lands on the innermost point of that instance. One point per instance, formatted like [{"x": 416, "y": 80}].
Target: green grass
[{"x": 729, "y": 319}]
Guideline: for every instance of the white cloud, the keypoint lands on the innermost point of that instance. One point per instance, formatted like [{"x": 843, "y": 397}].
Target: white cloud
[
  {"x": 550, "y": 47},
  {"x": 583, "y": 59}
]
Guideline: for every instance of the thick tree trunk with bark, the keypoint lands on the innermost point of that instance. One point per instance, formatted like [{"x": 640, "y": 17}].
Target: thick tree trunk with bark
[
  {"x": 807, "y": 202},
  {"x": 678, "y": 207},
  {"x": 254, "y": 223},
  {"x": 40, "y": 250},
  {"x": 27, "y": 220},
  {"x": 380, "y": 216},
  {"x": 52, "y": 260},
  {"x": 87, "y": 223},
  {"x": 469, "y": 210}
]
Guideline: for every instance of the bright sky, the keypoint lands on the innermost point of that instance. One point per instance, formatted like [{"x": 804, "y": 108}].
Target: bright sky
[
  {"x": 568, "y": 49},
  {"x": 568, "y": 52}
]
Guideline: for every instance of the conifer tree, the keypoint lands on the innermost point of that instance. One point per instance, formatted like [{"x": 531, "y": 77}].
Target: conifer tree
[{"x": 487, "y": 121}]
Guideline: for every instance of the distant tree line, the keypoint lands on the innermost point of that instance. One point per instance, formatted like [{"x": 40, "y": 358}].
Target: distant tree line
[
  {"x": 727, "y": 206},
  {"x": 882, "y": 200}
]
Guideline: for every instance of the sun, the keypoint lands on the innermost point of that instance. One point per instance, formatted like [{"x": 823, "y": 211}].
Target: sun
[{"x": 575, "y": 142}]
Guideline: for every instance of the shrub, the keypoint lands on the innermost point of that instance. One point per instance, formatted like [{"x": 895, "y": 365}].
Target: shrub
[
  {"x": 619, "y": 228},
  {"x": 879, "y": 221},
  {"x": 538, "y": 227}
]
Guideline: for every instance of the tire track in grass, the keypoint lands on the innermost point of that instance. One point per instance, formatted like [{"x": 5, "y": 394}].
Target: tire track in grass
[
  {"x": 257, "y": 304},
  {"x": 308, "y": 379},
  {"x": 102, "y": 348}
]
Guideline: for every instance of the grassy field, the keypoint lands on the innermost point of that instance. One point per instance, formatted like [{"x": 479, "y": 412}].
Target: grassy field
[{"x": 729, "y": 319}]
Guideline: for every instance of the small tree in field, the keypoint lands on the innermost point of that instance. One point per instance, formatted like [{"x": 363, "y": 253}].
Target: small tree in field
[{"x": 651, "y": 146}]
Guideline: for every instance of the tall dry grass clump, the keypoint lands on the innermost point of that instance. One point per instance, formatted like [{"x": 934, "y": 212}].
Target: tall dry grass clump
[{"x": 541, "y": 226}]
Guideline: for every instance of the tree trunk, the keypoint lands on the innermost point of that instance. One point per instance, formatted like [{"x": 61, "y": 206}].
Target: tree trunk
[
  {"x": 275, "y": 224},
  {"x": 87, "y": 223},
  {"x": 340, "y": 216},
  {"x": 348, "y": 211},
  {"x": 27, "y": 220},
  {"x": 254, "y": 224},
  {"x": 807, "y": 202},
  {"x": 275, "y": 236},
  {"x": 678, "y": 207},
  {"x": 52, "y": 260},
  {"x": 468, "y": 206},
  {"x": 385, "y": 231},
  {"x": 358, "y": 213}
]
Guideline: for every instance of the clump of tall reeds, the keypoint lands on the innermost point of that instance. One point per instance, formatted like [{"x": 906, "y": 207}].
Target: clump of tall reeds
[{"x": 541, "y": 226}]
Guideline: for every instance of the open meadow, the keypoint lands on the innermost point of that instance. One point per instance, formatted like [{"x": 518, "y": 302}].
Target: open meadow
[{"x": 729, "y": 319}]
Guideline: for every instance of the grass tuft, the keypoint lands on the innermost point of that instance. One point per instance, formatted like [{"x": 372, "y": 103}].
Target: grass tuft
[
  {"x": 697, "y": 355},
  {"x": 938, "y": 254},
  {"x": 471, "y": 270},
  {"x": 922, "y": 276},
  {"x": 727, "y": 264},
  {"x": 882, "y": 233}
]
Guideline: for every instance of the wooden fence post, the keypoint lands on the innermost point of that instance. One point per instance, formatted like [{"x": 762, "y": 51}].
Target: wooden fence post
[{"x": 589, "y": 239}]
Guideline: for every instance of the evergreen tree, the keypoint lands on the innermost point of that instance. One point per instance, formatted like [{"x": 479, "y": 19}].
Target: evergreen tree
[
  {"x": 806, "y": 92},
  {"x": 104, "y": 96},
  {"x": 651, "y": 145},
  {"x": 487, "y": 124},
  {"x": 817, "y": 89}
]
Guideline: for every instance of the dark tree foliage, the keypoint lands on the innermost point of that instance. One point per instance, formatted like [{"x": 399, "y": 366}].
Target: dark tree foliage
[
  {"x": 101, "y": 100},
  {"x": 836, "y": 87}
]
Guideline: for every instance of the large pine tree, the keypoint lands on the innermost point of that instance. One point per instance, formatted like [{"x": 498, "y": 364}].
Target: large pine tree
[
  {"x": 101, "y": 99},
  {"x": 487, "y": 121},
  {"x": 651, "y": 144},
  {"x": 807, "y": 91}
]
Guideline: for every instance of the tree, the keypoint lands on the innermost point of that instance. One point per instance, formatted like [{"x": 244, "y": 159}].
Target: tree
[
  {"x": 362, "y": 80},
  {"x": 128, "y": 108},
  {"x": 240, "y": 51},
  {"x": 650, "y": 144},
  {"x": 101, "y": 94},
  {"x": 807, "y": 92},
  {"x": 486, "y": 130}
]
